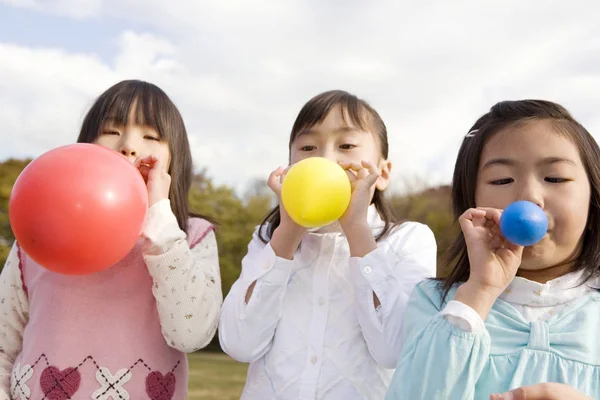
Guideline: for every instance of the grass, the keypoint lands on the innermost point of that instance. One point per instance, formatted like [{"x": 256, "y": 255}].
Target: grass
[{"x": 215, "y": 376}]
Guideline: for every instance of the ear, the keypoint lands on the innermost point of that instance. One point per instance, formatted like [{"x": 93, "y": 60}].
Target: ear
[{"x": 383, "y": 181}]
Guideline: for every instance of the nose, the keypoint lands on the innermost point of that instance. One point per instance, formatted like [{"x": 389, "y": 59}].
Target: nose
[
  {"x": 533, "y": 192},
  {"x": 127, "y": 152},
  {"x": 330, "y": 154},
  {"x": 127, "y": 148}
]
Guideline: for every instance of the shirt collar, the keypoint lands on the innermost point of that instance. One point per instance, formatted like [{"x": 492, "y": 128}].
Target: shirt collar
[
  {"x": 373, "y": 218},
  {"x": 557, "y": 291}
]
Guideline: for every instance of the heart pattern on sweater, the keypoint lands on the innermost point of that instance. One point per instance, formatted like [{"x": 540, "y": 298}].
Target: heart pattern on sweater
[
  {"x": 60, "y": 385},
  {"x": 159, "y": 386}
]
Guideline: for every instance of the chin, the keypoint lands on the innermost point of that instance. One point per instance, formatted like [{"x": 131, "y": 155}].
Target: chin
[{"x": 537, "y": 257}]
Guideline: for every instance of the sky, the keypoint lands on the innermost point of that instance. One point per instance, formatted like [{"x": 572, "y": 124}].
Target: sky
[{"x": 239, "y": 71}]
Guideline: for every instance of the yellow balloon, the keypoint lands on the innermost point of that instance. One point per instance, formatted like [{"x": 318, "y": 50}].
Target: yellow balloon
[{"x": 315, "y": 192}]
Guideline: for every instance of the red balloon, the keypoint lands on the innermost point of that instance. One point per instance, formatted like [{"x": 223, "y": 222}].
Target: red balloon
[{"x": 78, "y": 209}]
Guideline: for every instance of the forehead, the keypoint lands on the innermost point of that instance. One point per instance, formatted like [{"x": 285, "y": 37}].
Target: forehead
[
  {"x": 337, "y": 120},
  {"x": 530, "y": 141}
]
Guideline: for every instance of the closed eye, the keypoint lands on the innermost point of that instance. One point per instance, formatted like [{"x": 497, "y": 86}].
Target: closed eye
[
  {"x": 556, "y": 180},
  {"x": 152, "y": 138},
  {"x": 110, "y": 132},
  {"x": 504, "y": 181}
]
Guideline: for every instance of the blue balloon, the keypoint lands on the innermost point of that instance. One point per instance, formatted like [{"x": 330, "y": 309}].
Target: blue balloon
[{"x": 523, "y": 223}]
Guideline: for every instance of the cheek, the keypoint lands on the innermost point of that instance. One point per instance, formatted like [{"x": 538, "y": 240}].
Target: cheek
[
  {"x": 486, "y": 196},
  {"x": 296, "y": 156},
  {"x": 372, "y": 154},
  {"x": 107, "y": 141},
  {"x": 165, "y": 157},
  {"x": 570, "y": 217}
]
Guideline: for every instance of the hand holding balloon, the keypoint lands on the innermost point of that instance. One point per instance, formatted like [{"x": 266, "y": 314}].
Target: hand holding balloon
[
  {"x": 275, "y": 182},
  {"x": 158, "y": 181},
  {"x": 362, "y": 175},
  {"x": 288, "y": 235},
  {"x": 495, "y": 240}
]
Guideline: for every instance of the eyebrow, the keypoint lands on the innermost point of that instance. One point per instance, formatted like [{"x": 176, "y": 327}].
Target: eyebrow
[
  {"x": 510, "y": 162},
  {"x": 341, "y": 129}
]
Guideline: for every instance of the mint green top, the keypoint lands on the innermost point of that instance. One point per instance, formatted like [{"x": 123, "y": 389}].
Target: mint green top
[{"x": 441, "y": 361}]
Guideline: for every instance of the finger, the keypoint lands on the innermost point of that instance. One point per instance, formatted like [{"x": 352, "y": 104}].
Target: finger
[
  {"x": 144, "y": 171},
  {"x": 372, "y": 168},
  {"x": 345, "y": 164},
  {"x": 351, "y": 165},
  {"x": 274, "y": 181},
  {"x": 142, "y": 167},
  {"x": 490, "y": 224},
  {"x": 542, "y": 391},
  {"x": 372, "y": 178},
  {"x": 284, "y": 172},
  {"x": 364, "y": 170},
  {"x": 496, "y": 242},
  {"x": 158, "y": 167},
  {"x": 363, "y": 173},
  {"x": 495, "y": 230},
  {"x": 467, "y": 218},
  {"x": 493, "y": 214},
  {"x": 351, "y": 175},
  {"x": 514, "y": 248},
  {"x": 472, "y": 213}
]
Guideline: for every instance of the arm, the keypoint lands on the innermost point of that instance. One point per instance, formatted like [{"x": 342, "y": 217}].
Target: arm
[
  {"x": 14, "y": 314},
  {"x": 186, "y": 282},
  {"x": 247, "y": 327},
  {"x": 444, "y": 353},
  {"x": 439, "y": 360},
  {"x": 388, "y": 275}
]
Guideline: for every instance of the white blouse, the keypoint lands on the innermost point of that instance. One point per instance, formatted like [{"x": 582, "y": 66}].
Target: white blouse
[{"x": 310, "y": 329}]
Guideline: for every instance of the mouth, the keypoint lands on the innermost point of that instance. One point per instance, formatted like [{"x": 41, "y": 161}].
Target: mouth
[{"x": 546, "y": 236}]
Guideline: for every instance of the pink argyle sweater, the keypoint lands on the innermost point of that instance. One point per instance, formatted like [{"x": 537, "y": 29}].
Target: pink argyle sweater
[{"x": 100, "y": 336}]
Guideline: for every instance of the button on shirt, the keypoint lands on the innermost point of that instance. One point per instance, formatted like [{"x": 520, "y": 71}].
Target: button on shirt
[{"x": 310, "y": 329}]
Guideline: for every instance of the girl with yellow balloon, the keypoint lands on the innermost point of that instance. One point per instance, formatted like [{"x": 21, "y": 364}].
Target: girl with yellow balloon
[{"x": 324, "y": 286}]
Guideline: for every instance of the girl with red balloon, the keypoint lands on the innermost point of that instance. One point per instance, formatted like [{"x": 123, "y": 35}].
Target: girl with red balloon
[{"x": 112, "y": 279}]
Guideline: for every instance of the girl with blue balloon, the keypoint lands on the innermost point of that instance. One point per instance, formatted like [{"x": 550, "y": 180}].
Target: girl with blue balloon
[{"x": 518, "y": 316}]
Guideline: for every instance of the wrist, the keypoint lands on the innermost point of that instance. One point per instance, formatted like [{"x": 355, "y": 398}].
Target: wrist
[
  {"x": 360, "y": 239},
  {"x": 478, "y": 297},
  {"x": 152, "y": 200},
  {"x": 285, "y": 241}
]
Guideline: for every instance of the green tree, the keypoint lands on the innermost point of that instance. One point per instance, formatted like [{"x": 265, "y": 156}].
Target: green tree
[
  {"x": 9, "y": 171},
  {"x": 432, "y": 208},
  {"x": 235, "y": 220}
]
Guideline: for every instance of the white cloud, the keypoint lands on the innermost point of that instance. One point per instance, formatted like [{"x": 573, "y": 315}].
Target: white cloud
[
  {"x": 75, "y": 9},
  {"x": 240, "y": 71}
]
